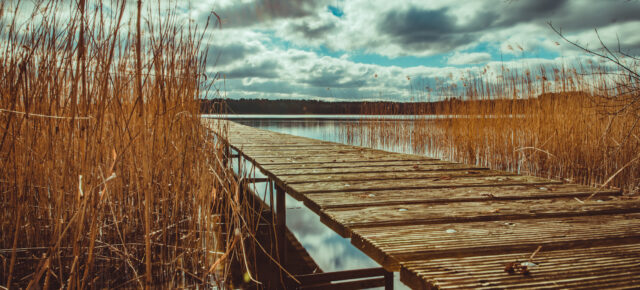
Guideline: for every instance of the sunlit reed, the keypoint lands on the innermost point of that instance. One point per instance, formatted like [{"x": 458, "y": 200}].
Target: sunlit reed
[
  {"x": 108, "y": 177},
  {"x": 577, "y": 124}
]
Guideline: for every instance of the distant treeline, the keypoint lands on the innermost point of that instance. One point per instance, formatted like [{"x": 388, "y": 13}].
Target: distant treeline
[{"x": 262, "y": 106}]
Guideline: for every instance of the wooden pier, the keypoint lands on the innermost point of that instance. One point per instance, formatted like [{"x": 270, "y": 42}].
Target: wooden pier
[{"x": 444, "y": 224}]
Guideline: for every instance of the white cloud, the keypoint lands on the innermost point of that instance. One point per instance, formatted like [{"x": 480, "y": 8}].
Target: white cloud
[
  {"x": 284, "y": 56},
  {"x": 463, "y": 58}
]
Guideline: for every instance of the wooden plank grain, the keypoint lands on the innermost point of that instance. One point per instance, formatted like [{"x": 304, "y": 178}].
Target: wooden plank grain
[
  {"x": 292, "y": 169},
  {"x": 597, "y": 267},
  {"x": 423, "y": 213},
  {"x": 330, "y": 200},
  {"x": 240, "y": 143},
  {"x": 330, "y": 160},
  {"x": 392, "y": 245},
  {"x": 295, "y": 149},
  {"x": 435, "y": 182},
  {"x": 373, "y": 168},
  {"x": 319, "y": 152},
  {"x": 356, "y": 176}
]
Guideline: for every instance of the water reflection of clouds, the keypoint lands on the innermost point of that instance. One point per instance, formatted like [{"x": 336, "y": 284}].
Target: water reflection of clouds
[{"x": 330, "y": 251}]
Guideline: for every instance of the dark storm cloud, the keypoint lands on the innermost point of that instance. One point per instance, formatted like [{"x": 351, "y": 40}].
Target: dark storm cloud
[
  {"x": 525, "y": 11},
  {"x": 571, "y": 15},
  {"x": 440, "y": 30},
  {"x": 266, "y": 69},
  {"x": 310, "y": 32},
  {"x": 247, "y": 14},
  {"x": 576, "y": 16},
  {"x": 223, "y": 55},
  {"x": 418, "y": 25},
  {"x": 418, "y": 29},
  {"x": 589, "y": 15}
]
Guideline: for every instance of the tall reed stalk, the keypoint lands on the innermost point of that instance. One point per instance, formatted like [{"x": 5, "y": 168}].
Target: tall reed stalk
[
  {"x": 107, "y": 176},
  {"x": 580, "y": 124}
]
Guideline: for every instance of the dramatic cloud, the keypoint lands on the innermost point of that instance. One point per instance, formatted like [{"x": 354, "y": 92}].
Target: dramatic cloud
[
  {"x": 380, "y": 49},
  {"x": 425, "y": 29},
  {"x": 226, "y": 54},
  {"x": 259, "y": 12}
]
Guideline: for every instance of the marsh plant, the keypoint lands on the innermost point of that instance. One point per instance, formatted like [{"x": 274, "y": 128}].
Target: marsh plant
[
  {"x": 107, "y": 176},
  {"x": 580, "y": 123}
]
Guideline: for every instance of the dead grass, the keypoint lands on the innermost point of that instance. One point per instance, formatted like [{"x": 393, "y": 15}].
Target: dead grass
[
  {"x": 108, "y": 177},
  {"x": 577, "y": 124}
]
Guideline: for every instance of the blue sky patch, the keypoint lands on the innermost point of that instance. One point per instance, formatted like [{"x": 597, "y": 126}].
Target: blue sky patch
[
  {"x": 401, "y": 61},
  {"x": 335, "y": 11}
]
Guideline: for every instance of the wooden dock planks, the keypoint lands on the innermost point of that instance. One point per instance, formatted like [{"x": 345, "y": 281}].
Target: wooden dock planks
[
  {"x": 393, "y": 245},
  {"x": 597, "y": 267},
  {"x": 425, "y": 213},
  {"x": 451, "y": 195},
  {"x": 447, "y": 224}
]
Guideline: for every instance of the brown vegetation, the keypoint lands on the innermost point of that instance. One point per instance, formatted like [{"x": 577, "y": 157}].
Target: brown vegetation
[
  {"x": 580, "y": 125},
  {"x": 107, "y": 176}
]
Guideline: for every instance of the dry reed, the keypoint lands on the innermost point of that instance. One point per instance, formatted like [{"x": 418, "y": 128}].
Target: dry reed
[
  {"x": 578, "y": 124},
  {"x": 108, "y": 177}
]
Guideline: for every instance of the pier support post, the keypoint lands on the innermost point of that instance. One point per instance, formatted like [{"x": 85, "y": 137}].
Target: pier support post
[
  {"x": 281, "y": 226},
  {"x": 388, "y": 281}
]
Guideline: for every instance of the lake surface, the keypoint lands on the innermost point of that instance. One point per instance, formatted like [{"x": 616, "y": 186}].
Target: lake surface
[
  {"x": 319, "y": 117},
  {"x": 335, "y": 130},
  {"x": 330, "y": 251}
]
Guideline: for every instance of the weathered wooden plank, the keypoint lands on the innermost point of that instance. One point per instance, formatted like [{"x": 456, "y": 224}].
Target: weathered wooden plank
[
  {"x": 292, "y": 168},
  {"x": 347, "y": 152},
  {"x": 292, "y": 179},
  {"x": 313, "y": 153},
  {"x": 327, "y": 149},
  {"x": 409, "y": 214},
  {"x": 406, "y": 167},
  {"x": 599, "y": 267},
  {"x": 275, "y": 146},
  {"x": 295, "y": 148},
  {"x": 257, "y": 138},
  {"x": 271, "y": 137},
  {"x": 240, "y": 142},
  {"x": 264, "y": 135},
  {"x": 295, "y": 160},
  {"x": 441, "y": 195},
  {"x": 394, "y": 244},
  {"x": 317, "y": 278},
  {"x": 436, "y": 182},
  {"x": 268, "y": 169},
  {"x": 274, "y": 141}
]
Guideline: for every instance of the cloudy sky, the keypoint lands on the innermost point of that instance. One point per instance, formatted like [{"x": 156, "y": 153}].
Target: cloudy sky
[
  {"x": 381, "y": 49},
  {"x": 393, "y": 49}
]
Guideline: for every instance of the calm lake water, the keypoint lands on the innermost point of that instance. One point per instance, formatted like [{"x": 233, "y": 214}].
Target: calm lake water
[
  {"x": 320, "y": 117},
  {"x": 330, "y": 251}
]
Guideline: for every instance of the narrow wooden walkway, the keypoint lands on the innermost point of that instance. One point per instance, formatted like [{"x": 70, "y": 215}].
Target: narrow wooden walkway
[{"x": 444, "y": 224}]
